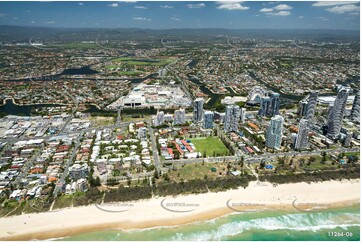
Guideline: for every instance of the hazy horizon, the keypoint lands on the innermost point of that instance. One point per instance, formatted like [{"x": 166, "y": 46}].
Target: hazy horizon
[{"x": 183, "y": 15}]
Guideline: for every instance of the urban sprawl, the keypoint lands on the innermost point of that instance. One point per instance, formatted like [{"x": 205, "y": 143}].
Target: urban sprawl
[{"x": 105, "y": 124}]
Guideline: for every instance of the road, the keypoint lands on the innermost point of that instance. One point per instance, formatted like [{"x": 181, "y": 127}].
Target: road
[
  {"x": 156, "y": 159},
  {"x": 76, "y": 102},
  {"x": 61, "y": 181},
  {"x": 258, "y": 158},
  {"x": 185, "y": 88}
]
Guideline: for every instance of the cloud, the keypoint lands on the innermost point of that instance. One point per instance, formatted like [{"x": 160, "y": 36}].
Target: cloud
[
  {"x": 32, "y": 22},
  {"x": 323, "y": 18},
  {"x": 328, "y": 4},
  {"x": 15, "y": 18},
  {"x": 2, "y": 14},
  {"x": 81, "y": 4},
  {"x": 232, "y": 6},
  {"x": 113, "y": 5},
  {"x": 197, "y": 5},
  {"x": 281, "y": 7},
  {"x": 280, "y": 13},
  {"x": 278, "y": 10},
  {"x": 142, "y": 19},
  {"x": 266, "y": 10},
  {"x": 166, "y": 6},
  {"x": 300, "y": 17},
  {"x": 344, "y": 9},
  {"x": 50, "y": 22},
  {"x": 175, "y": 19},
  {"x": 141, "y": 7}
]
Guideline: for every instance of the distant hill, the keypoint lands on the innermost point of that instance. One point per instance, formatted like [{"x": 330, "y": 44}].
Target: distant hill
[{"x": 23, "y": 33}]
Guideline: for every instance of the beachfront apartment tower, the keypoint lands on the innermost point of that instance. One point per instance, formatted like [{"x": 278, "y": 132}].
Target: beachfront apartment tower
[
  {"x": 311, "y": 106},
  {"x": 208, "y": 120},
  {"x": 179, "y": 116},
  {"x": 198, "y": 110},
  {"x": 337, "y": 112},
  {"x": 231, "y": 118},
  {"x": 274, "y": 132},
  {"x": 301, "y": 141}
]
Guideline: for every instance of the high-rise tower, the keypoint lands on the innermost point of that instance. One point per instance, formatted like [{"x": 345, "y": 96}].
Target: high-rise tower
[
  {"x": 302, "y": 136},
  {"x": 198, "y": 110},
  {"x": 274, "y": 132},
  {"x": 337, "y": 112},
  {"x": 311, "y": 105},
  {"x": 231, "y": 118}
]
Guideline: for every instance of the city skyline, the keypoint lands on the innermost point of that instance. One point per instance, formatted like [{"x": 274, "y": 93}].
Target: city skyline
[{"x": 176, "y": 14}]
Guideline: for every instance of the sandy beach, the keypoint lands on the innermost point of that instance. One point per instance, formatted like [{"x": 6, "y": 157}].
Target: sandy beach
[{"x": 179, "y": 210}]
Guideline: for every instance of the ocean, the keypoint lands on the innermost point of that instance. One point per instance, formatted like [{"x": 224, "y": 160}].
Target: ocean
[{"x": 328, "y": 224}]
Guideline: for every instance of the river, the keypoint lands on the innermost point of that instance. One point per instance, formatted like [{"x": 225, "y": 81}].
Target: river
[{"x": 10, "y": 108}]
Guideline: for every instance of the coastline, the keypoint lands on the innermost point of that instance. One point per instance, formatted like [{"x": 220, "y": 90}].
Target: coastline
[{"x": 295, "y": 197}]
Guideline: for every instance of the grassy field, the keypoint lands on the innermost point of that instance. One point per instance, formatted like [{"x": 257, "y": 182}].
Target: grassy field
[
  {"x": 129, "y": 118},
  {"x": 199, "y": 171},
  {"x": 63, "y": 201},
  {"x": 211, "y": 145},
  {"x": 145, "y": 62},
  {"x": 102, "y": 121}
]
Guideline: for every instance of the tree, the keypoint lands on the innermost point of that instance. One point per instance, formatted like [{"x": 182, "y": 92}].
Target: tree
[
  {"x": 97, "y": 181},
  {"x": 310, "y": 160},
  {"x": 262, "y": 165},
  {"x": 176, "y": 154},
  {"x": 324, "y": 158},
  {"x": 281, "y": 161},
  {"x": 156, "y": 174}
]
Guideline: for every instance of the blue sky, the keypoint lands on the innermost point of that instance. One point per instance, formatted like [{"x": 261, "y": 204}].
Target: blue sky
[{"x": 170, "y": 14}]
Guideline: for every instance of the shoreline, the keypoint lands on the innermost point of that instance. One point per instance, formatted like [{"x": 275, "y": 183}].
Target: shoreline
[{"x": 151, "y": 213}]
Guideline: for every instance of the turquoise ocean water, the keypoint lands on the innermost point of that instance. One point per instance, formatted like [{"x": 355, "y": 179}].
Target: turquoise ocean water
[{"x": 262, "y": 225}]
